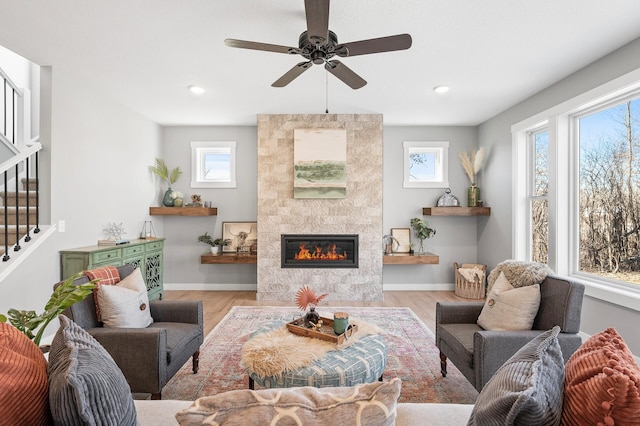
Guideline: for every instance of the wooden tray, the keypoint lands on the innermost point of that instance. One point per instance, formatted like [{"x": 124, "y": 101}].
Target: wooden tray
[{"x": 326, "y": 333}]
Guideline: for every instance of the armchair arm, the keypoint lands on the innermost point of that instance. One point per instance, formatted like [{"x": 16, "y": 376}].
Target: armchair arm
[
  {"x": 185, "y": 311},
  {"x": 141, "y": 354},
  {"x": 458, "y": 312}
]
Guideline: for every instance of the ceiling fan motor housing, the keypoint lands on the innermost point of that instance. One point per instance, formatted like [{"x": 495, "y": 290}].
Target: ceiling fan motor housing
[{"x": 319, "y": 53}]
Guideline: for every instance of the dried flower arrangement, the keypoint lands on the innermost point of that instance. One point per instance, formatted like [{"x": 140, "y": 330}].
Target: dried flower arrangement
[
  {"x": 472, "y": 164},
  {"x": 307, "y": 297}
]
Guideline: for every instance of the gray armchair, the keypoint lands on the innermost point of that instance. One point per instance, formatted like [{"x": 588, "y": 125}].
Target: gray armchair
[
  {"x": 148, "y": 357},
  {"x": 478, "y": 353}
]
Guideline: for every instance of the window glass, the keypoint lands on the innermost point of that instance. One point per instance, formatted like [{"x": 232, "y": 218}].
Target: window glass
[
  {"x": 538, "y": 204},
  {"x": 609, "y": 192}
]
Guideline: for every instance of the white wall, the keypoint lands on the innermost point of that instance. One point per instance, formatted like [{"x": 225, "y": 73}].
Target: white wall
[
  {"x": 99, "y": 152},
  {"x": 494, "y": 240}
]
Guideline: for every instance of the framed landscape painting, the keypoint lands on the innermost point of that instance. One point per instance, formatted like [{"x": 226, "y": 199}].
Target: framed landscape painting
[{"x": 319, "y": 163}]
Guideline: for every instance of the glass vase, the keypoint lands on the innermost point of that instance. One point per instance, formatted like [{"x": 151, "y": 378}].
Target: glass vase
[
  {"x": 167, "y": 200},
  {"x": 311, "y": 317},
  {"x": 473, "y": 195}
]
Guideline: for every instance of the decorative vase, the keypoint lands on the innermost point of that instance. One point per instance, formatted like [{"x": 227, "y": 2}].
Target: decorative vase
[
  {"x": 311, "y": 317},
  {"x": 473, "y": 195},
  {"x": 215, "y": 249},
  {"x": 421, "y": 248},
  {"x": 167, "y": 200}
]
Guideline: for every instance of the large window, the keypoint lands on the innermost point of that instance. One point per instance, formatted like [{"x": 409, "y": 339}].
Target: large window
[
  {"x": 609, "y": 191},
  {"x": 576, "y": 191}
]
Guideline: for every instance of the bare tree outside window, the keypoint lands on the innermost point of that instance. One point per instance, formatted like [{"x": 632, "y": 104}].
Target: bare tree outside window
[
  {"x": 539, "y": 208},
  {"x": 609, "y": 222}
]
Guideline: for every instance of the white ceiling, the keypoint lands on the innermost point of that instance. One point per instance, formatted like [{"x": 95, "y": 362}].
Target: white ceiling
[{"x": 145, "y": 53}]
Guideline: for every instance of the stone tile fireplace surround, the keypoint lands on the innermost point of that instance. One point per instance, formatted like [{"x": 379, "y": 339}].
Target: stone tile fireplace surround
[{"x": 359, "y": 213}]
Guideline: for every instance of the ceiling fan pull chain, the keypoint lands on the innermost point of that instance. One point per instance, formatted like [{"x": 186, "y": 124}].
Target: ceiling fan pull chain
[{"x": 326, "y": 76}]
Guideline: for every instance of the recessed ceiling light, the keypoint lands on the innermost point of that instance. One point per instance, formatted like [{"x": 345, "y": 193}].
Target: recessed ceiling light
[
  {"x": 196, "y": 90},
  {"x": 441, "y": 89}
]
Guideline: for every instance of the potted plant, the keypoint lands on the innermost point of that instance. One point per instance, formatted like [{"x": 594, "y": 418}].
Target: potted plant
[
  {"x": 215, "y": 244},
  {"x": 63, "y": 296},
  {"x": 162, "y": 171},
  {"x": 422, "y": 230}
]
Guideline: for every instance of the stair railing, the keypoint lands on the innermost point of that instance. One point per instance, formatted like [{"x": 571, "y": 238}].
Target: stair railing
[{"x": 21, "y": 167}]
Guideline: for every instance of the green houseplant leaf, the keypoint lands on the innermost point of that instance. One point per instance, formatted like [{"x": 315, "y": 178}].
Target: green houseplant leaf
[
  {"x": 162, "y": 171},
  {"x": 63, "y": 296}
]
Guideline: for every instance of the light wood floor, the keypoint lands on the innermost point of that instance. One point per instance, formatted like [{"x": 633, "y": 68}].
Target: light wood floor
[{"x": 216, "y": 304}]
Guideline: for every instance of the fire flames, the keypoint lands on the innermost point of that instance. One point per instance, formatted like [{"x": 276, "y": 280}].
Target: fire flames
[{"x": 319, "y": 254}]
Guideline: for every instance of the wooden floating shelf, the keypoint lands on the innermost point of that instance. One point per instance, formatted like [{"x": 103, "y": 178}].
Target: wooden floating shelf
[
  {"x": 228, "y": 258},
  {"x": 183, "y": 211},
  {"x": 411, "y": 259},
  {"x": 456, "y": 211}
]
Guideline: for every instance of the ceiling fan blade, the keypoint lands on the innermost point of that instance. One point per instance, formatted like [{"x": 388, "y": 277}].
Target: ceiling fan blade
[
  {"x": 254, "y": 45},
  {"x": 317, "y": 12},
  {"x": 292, "y": 74},
  {"x": 345, "y": 74},
  {"x": 374, "y": 45}
]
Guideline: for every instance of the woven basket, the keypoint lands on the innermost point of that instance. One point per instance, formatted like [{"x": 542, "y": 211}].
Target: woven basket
[{"x": 469, "y": 289}]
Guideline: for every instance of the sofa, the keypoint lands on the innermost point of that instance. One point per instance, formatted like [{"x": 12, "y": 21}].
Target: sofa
[{"x": 81, "y": 384}]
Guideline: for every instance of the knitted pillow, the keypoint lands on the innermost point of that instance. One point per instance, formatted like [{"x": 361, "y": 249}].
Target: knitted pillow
[
  {"x": 369, "y": 404},
  {"x": 508, "y": 308},
  {"x": 85, "y": 384},
  {"x": 23, "y": 380},
  {"x": 602, "y": 384},
  {"x": 125, "y": 304},
  {"x": 520, "y": 273},
  {"x": 527, "y": 389},
  {"x": 106, "y": 275}
]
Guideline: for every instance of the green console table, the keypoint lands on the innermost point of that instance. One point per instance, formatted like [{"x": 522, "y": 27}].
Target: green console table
[{"x": 144, "y": 254}]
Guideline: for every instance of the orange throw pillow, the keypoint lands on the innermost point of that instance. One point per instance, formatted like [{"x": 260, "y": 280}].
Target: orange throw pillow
[
  {"x": 24, "y": 386},
  {"x": 602, "y": 383},
  {"x": 106, "y": 275}
]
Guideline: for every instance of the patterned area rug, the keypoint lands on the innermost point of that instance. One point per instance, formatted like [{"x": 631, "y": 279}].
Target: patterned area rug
[{"x": 411, "y": 355}]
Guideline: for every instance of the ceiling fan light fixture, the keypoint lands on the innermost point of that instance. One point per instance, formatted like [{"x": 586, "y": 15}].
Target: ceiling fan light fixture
[
  {"x": 443, "y": 88},
  {"x": 196, "y": 90}
]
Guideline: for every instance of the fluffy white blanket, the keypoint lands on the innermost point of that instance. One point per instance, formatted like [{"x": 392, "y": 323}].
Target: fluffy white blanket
[
  {"x": 520, "y": 273},
  {"x": 279, "y": 350}
]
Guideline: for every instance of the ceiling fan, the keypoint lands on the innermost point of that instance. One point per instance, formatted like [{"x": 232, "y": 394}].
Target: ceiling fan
[{"x": 318, "y": 45}]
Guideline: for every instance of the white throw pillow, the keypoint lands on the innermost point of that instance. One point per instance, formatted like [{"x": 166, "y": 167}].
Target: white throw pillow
[
  {"x": 509, "y": 308},
  {"x": 126, "y": 304}
]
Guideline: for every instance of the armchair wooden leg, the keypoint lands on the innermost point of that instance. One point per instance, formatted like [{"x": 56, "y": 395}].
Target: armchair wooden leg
[
  {"x": 196, "y": 361},
  {"x": 443, "y": 364}
]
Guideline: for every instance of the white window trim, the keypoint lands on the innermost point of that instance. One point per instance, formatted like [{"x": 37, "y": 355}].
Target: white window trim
[
  {"x": 198, "y": 151},
  {"x": 442, "y": 170},
  {"x": 562, "y": 229}
]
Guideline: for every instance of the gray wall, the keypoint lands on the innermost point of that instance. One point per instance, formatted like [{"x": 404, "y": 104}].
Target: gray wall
[
  {"x": 182, "y": 251},
  {"x": 455, "y": 238},
  {"x": 494, "y": 238}
]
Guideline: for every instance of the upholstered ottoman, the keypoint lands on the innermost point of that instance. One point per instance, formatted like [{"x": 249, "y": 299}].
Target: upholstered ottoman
[{"x": 362, "y": 362}]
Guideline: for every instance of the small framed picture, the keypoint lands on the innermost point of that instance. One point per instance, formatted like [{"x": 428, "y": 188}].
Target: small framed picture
[
  {"x": 242, "y": 236},
  {"x": 403, "y": 236}
]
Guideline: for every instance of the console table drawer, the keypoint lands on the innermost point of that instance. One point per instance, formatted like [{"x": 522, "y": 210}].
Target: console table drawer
[
  {"x": 132, "y": 251},
  {"x": 103, "y": 256},
  {"x": 156, "y": 245}
]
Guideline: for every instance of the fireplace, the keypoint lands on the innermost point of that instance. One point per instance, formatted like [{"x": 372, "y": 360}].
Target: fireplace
[{"x": 319, "y": 250}]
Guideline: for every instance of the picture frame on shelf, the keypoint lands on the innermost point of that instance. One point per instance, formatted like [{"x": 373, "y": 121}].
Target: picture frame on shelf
[
  {"x": 403, "y": 236},
  {"x": 242, "y": 236}
]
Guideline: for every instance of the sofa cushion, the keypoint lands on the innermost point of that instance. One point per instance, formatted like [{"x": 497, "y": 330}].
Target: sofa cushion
[
  {"x": 602, "y": 384},
  {"x": 509, "y": 308},
  {"x": 24, "y": 398},
  {"x": 368, "y": 404},
  {"x": 85, "y": 384},
  {"x": 527, "y": 389},
  {"x": 105, "y": 275},
  {"x": 125, "y": 304}
]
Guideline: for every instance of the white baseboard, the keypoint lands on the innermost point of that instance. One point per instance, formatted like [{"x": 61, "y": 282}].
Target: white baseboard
[
  {"x": 210, "y": 287},
  {"x": 418, "y": 287}
]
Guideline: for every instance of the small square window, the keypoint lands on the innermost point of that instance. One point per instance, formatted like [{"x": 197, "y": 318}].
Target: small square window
[
  {"x": 213, "y": 164},
  {"x": 426, "y": 164}
]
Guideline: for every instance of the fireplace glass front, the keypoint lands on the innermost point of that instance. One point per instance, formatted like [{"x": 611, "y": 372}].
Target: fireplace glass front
[{"x": 319, "y": 250}]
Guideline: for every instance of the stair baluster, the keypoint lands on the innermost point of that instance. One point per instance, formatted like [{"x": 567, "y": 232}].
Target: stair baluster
[{"x": 17, "y": 246}]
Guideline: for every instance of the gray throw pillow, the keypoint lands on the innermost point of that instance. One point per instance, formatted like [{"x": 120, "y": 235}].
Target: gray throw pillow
[
  {"x": 527, "y": 389},
  {"x": 86, "y": 387}
]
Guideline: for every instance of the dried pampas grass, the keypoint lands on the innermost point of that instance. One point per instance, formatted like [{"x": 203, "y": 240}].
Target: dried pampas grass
[{"x": 471, "y": 164}]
